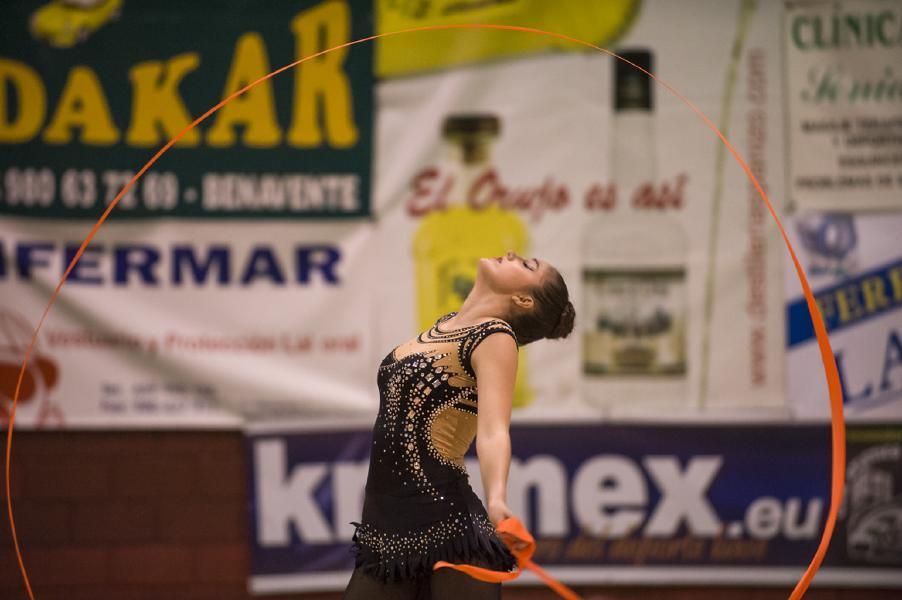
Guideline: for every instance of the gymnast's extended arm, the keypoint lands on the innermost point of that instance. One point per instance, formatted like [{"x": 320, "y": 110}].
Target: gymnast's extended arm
[{"x": 495, "y": 364}]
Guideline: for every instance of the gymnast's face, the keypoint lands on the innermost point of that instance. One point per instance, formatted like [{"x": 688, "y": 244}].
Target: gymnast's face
[{"x": 512, "y": 273}]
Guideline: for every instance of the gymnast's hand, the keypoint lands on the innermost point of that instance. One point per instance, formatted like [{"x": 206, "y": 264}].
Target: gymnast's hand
[{"x": 498, "y": 511}]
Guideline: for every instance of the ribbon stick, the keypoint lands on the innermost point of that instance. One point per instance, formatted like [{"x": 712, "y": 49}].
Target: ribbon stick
[{"x": 522, "y": 545}]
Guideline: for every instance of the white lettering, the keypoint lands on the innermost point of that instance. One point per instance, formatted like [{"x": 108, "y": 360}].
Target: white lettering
[
  {"x": 762, "y": 518},
  {"x": 284, "y": 501},
  {"x": 604, "y": 488},
  {"x": 683, "y": 495},
  {"x": 795, "y": 528},
  {"x": 547, "y": 477}
]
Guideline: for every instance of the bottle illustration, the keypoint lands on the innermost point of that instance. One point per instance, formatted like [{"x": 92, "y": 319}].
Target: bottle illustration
[
  {"x": 450, "y": 240},
  {"x": 634, "y": 269}
]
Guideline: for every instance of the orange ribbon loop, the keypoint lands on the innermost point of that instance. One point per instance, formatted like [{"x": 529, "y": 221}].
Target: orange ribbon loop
[{"x": 522, "y": 545}]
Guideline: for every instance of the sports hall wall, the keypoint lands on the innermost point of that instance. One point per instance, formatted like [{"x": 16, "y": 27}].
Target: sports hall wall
[{"x": 194, "y": 416}]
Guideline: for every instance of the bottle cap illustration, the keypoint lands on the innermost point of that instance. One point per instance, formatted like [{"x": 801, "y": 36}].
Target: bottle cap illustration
[{"x": 632, "y": 87}]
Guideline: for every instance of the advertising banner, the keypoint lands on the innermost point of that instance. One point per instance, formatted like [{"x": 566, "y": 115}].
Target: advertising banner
[
  {"x": 91, "y": 92},
  {"x": 229, "y": 283},
  {"x": 855, "y": 268},
  {"x": 871, "y": 517},
  {"x": 606, "y": 503},
  {"x": 580, "y": 160},
  {"x": 335, "y": 216},
  {"x": 843, "y": 110},
  {"x": 185, "y": 325}
]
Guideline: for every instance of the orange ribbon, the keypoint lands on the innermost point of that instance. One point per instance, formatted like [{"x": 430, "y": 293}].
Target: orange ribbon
[
  {"x": 522, "y": 545},
  {"x": 830, "y": 370}
]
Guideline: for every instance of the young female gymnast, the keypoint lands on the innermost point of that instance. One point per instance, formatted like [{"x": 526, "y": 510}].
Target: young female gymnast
[{"x": 438, "y": 391}]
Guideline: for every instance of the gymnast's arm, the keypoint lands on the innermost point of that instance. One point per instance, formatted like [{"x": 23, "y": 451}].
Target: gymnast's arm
[{"x": 495, "y": 363}]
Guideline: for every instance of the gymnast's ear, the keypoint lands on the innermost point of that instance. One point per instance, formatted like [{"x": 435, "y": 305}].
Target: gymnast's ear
[{"x": 523, "y": 301}]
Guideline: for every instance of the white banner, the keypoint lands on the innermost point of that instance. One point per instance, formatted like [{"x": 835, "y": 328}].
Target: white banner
[
  {"x": 844, "y": 104},
  {"x": 187, "y": 324},
  {"x": 855, "y": 268},
  {"x": 669, "y": 255},
  {"x": 671, "y": 259}
]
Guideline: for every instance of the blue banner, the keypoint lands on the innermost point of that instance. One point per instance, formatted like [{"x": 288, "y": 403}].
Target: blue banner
[
  {"x": 607, "y": 501},
  {"x": 850, "y": 302}
]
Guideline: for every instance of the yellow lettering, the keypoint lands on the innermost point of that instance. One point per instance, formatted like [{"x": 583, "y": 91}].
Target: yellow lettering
[
  {"x": 31, "y": 102},
  {"x": 895, "y": 278},
  {"x": 874, "y": 293},
  {"x": 847, "y": 304},
  {"x": 320, "y": 85},
  {"x": 827, "y": 307},
  {"x": 158, "y": 113},
  {"x": 83, "y": 105},
  {"x": 255, "y": 109}
]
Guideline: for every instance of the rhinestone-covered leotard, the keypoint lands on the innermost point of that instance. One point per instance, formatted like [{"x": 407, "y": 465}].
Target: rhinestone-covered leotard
[{"x": 419, "y": 507}]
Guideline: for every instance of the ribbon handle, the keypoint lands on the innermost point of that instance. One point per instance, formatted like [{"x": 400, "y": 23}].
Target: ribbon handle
[{"x": 514, "y": 534}]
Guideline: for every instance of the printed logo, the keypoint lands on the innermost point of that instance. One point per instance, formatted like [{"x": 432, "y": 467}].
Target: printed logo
[
  {"x": 831, "y": 241},
  {"x": 41, "y": 375},
  {"x": 64, "y": 23},
  {"x": 873, "y": 506}
]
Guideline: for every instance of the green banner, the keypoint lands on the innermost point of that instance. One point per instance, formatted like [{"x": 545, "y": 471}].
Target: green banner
[{"x": 91, "y": 89}]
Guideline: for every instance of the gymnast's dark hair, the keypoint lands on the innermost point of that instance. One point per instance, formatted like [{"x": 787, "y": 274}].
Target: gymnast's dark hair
[{"x": 552, "y": 314}]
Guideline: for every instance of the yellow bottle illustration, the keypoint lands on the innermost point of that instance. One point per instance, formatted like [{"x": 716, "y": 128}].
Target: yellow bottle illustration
[{"x": 450, "y": 241}]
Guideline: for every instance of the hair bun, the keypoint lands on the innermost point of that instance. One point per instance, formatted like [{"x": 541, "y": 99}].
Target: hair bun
[{"x": 565, "y": 323}]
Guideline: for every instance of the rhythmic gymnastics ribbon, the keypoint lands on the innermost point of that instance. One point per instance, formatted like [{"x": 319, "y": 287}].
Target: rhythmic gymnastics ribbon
[
  {"x": 522, "y": 545},
  {"x": 830, "y": 370}
]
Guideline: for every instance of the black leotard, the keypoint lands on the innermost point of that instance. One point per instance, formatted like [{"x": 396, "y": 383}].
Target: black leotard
[{"x": 419, "y": 507}]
